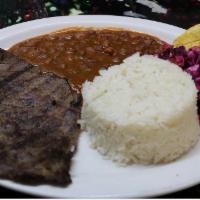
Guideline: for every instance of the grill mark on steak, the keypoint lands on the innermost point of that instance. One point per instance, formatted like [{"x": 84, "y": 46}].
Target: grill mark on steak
[
  {"x": 24, "y": 80},
  {"x": 38, "y": 124},
  {"x": 9, "y": 64},
  {"x": 13, "y": 76}
]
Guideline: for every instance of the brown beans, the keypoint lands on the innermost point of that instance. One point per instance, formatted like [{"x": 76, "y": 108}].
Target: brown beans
[
  {"x": 78, "y": 55},
  {"x": 109, "y": 50}
]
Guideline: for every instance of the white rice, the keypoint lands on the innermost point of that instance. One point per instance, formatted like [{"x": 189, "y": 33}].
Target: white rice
[{"x": 142, "y": 111}]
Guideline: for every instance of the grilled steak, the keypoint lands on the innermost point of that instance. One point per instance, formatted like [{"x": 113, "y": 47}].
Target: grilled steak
[{"x": 38, "y": 124}]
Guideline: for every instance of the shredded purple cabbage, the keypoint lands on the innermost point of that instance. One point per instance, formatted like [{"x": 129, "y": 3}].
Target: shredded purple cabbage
[{"x": 188, "y": 60}]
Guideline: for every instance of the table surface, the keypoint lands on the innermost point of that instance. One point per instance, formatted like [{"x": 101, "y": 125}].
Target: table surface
[
  {"x": 193, "y": 192},
  {"x": 182, "y": 17}
]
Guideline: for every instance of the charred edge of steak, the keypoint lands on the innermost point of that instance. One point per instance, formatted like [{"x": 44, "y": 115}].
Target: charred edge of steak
[{"x": 38, "y": 124}]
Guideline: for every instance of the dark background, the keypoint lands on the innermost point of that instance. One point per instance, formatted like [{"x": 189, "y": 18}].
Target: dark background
[{"x": 182, "y": 13}]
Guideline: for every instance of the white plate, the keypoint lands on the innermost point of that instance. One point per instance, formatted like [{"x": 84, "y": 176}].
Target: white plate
[{"x": 92, "y": 175}]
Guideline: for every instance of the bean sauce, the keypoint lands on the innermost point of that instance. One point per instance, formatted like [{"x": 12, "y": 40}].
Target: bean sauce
[{"x": 78, "y": 54}]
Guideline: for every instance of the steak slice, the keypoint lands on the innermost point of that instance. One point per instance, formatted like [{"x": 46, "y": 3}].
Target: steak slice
[{"x": 38, "y": 124}]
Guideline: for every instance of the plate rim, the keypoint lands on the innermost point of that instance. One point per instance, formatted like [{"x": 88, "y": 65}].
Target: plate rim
[{"x": 8, "y": 31}]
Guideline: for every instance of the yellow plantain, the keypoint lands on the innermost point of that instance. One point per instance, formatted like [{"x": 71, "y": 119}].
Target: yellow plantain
[{"x": 190, "y": 38}]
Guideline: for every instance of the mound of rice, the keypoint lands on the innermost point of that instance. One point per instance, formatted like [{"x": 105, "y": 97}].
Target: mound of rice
[{"x": 142, "y": 111}]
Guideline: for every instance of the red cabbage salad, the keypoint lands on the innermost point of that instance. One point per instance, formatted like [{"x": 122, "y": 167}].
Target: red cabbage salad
[{"x": 188, "y": 60}]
